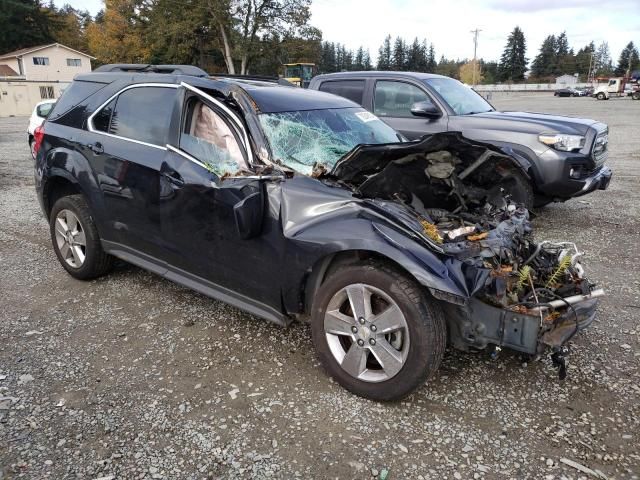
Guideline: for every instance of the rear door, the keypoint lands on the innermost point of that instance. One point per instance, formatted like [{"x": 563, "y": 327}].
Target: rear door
[
  {"x": 392, "y": 101},
  {"x": 127, "y": 146},
  {"x": 353, "y": 89}
]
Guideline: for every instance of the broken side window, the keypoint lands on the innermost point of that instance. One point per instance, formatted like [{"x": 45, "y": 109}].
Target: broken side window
[
  {"x": 208, "y": 138},
  {"x": 302, "y": 139}
]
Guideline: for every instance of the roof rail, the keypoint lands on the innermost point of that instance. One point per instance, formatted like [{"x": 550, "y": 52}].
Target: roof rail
[
  {"x": 260, "y": 78},
  {"x": 147, "y": 68}
]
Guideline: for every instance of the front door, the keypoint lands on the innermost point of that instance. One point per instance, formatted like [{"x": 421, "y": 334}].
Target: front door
[
  {"x": 392, "y": 101},
  {"x": 213, "y": 202}
]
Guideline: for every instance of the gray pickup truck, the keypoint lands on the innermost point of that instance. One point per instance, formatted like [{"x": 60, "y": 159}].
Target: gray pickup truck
[{"x": 561, "y": 157}]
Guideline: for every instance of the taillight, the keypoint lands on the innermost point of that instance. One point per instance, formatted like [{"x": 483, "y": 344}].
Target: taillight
[{"x": 38, "y": 135}]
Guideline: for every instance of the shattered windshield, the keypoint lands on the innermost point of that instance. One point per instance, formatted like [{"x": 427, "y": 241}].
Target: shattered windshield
[
  {"x": 302, "y": 139},
  {"x": 462, "y": 99}
]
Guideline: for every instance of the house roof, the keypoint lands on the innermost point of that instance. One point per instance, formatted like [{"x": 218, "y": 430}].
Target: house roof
[
  {"x": 7, "y": 71},
  {"x": 24, "y": 51}
]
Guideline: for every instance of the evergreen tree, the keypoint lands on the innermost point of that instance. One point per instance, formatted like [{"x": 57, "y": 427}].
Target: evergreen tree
[
  {"x": 366, "y": 61},
  {"x": 432, "y": 64},
  {"x": 513, "y": 62},
  {"x": 358, "y": 61},
  {"x": 339, "y": 58},
  {"x": 565, "y": 58},
  {"x": 584, "y": 59},
  {"x": 347, "y": 59},
  {"x": 602, "y": 60},
  {"x": 415, "y": 57},
  {"x": 327, "y": 58},
  {"x": 399, "y": 57},
  {"x": 628, "y": 61},
  {"x": 449, "y": 68},
  {"x": 489, "y": 71},
  {"x": 562, "y": 44},
  {"x": 384, "y": 54},
  {"x": 544, "y": 63},
  {"x": 24, "y": 23}
]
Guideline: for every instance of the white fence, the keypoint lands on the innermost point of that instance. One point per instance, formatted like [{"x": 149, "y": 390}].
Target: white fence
[{"x": 526, "y": 87}]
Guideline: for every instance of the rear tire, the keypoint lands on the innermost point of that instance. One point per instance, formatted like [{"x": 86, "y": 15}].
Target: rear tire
[
  {"x": 393, "y": 358},
  {"x": 32, "y": 144},
  {"x": 75, "y": 239}
]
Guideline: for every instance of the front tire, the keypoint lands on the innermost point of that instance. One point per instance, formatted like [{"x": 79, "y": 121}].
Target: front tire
[
  {"x": 516, "y": 184},
  {"x": 600, "y": 96},
  {"x": 376, "y": 331},
  {"x": 75, "y": 239}
]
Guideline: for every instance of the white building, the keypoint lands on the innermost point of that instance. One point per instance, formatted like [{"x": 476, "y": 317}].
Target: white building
[
  {"x": 566, "y": 80},
  {"x": 30, "y": 75}
]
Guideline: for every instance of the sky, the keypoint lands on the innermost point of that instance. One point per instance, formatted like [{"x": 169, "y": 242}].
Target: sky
[{"x": 448, "y": 23}]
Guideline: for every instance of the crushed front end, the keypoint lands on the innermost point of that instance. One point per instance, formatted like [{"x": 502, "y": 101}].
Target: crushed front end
[
  {"x": 533, "y": 296},
  {"x": 517, "y": 293}
]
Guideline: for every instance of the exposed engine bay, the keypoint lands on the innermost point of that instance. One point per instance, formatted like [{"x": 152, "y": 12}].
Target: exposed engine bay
[{"x": 523, "y": 294}]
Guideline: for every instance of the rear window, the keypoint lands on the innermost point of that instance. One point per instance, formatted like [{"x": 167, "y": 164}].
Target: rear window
[
  {"x": 75, "y": 94},
  {"x": 141, "y": 113},
  {"x": 351, "y": 89}
]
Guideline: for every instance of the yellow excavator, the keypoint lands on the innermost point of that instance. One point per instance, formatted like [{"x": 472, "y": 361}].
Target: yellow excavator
[{"x": 300, "y": 74}]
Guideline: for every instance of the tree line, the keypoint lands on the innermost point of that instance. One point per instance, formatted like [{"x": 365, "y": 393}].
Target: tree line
[
  {"x": 556, "y": 57},
  {"x": 397, "y": 55},
  {"x": 258, "y": 36}
]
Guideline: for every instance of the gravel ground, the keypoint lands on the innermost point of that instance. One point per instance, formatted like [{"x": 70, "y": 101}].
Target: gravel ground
[{"x": 131, "y": 376}]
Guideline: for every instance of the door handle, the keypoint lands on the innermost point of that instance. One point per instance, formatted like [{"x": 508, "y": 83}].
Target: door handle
[
  {"x": 96, "y": 148},
  {"x": 174, "y": 177}
]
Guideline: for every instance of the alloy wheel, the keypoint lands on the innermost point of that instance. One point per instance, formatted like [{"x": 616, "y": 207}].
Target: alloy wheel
[
  {"x": 70, "y": 238},
  {"x": 366, "y": 332}
]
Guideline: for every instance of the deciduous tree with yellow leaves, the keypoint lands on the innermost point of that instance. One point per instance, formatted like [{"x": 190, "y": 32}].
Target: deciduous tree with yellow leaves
[{"x": 118, "y": 36}]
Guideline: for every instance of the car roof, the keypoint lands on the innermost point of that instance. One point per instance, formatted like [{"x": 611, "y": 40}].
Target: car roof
[
  {"x": 381, "y": 74},
  {"x": 269, "y": 96}
]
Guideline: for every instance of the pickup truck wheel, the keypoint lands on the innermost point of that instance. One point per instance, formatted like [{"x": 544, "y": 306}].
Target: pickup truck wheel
[
  {"x": 75, "y": 239},
  {"x": 376, "y": 331},
  {"x": 518, "y": 187}
]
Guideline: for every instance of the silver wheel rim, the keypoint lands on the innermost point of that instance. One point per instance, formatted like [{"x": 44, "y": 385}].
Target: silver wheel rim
[
  {"x": 367, "y": 333},
  {"x": 70, "y": 238},
  {"x": 32, "y": 145}
]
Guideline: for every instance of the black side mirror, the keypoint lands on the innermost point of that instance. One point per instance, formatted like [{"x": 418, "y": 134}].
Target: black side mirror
[
  {"x": 425, "y": 109},
  {"x": 246, "y": 194}
]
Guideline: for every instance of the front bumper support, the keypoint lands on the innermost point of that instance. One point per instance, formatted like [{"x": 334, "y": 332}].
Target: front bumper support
[{"x": 477, "y": 325}]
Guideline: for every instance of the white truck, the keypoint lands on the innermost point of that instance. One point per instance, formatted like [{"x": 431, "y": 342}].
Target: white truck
[{"x": 618, "y": 87}]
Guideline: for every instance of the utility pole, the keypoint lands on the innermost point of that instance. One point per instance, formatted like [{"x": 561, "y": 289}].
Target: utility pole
[
  {"x": 590, "y": 76},
  {"x": 475, "y": 51}
]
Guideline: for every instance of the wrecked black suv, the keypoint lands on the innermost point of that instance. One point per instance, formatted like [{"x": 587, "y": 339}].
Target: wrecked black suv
[{"x": 290, "y": 203}]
